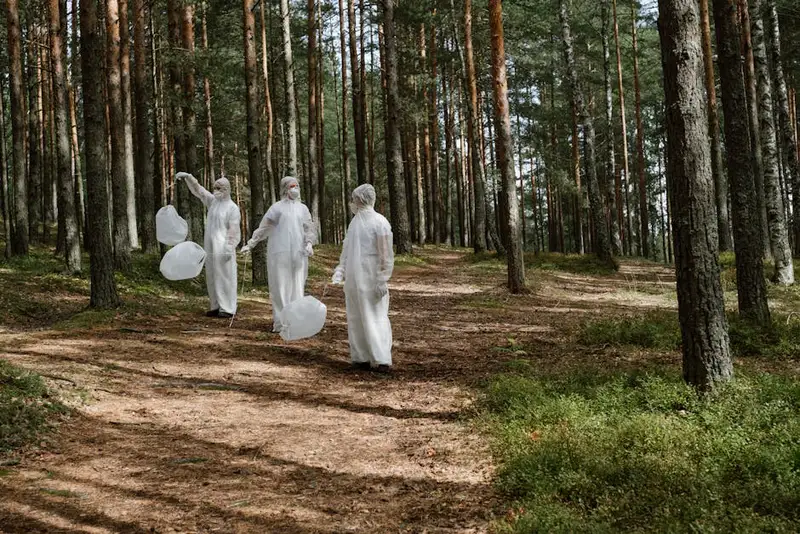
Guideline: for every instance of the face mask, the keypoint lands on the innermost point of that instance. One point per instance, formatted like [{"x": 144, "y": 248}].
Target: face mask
[
  {"x": 219, "y": 195},
  {"x": 294, "y": 193}
]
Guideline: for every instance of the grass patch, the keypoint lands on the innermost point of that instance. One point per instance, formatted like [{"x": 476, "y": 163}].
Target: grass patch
[
  {"x": 654, "y": 330},
  {"x": 608, "y": 453},
  {"x": 778, "y": 341},
  {"x": 26, "y": 408},
  {"x": 409, "y": 260},
  {"x": 570, "y": 263}
]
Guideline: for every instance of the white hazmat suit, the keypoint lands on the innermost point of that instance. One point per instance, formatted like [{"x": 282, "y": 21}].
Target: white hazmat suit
[
  {"x": 290, "y": 232},
  {"x": 366, "y": 266},
  {"x": 223, "y": 234}
]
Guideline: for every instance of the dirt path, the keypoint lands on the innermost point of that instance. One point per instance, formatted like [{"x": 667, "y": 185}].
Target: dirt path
[{"x": 187, "y": 425}]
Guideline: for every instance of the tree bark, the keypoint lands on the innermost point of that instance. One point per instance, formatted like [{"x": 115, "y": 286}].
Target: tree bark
[
  {"x": 127, "y": 113},
  {"x": 505, "y": 151},
  {"x": 755, "y": 130},
  {"x": 208, "y": 145},
  {"x": 644, "y": 208},
  {"x": 253, "y": 142},
  {"x": 312, "y": 111},
  {"x": 344, "y": 130},
  {"x": 291, "y": 166},
  {"x": 787, "y": 123},
  {"x": 402, "y": 235},
  {"x": 188, "y": 112},
  {"x": 271, "y": 181},
  {"x": 701, "y": 306},
  {"x": 746, "y": 224},
  {"x": 144, "y": 143},
  {"x": 119, "y": 177},
  {"x": 103, "y": 285},
  {"x": 439, "y": 220},
  {"x": 5, "y": 187},
  {"x": 629, "y": 241},
  {"x": 778, "y": 229},
  {"x": 477, "y": 176},
  {"x": 720, "y": 180},
  {"x": 612, "y": 185},
  {"x": 361, "y": 166},
  {"x": 34, "y": 134},
  {"x": 66, "y": 192},
  {"x": 602, "y": 246},
  {"x": 19, "y": 237}
]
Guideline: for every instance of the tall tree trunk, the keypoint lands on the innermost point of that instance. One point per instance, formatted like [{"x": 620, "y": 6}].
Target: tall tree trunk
[
  {"x": 291, "y": 167},
  {"x": 188, "y": 112},
  {"x": 208, "y": 145},
  {"x": 644, "y": 209},
  {"x": 344, "y": 130},
  {"x": 603, "y": 246},
  {"x": 66, "y": 192},
  {"x": 312, "y": 111},
  {"x": 323, "y": 232},
  {"x": 144, "y": 143},
  {"x": 447, "y": 98},
  {"x": 402, "y": 235},
  {"x": 787, "y": 123},
  {"x": 720, "y": 180},
  {"x": 477, "y": 177},
  {"x": 778, "y": 229},
  {"x": 420, "y": 189},
  {"x": 746, "y": 225},
  {"x": 612, "y": 184},
  {"x": 439, "y": 220},
  {"x": 505, "y": 151},
  {"x": 576, "y": 174},
  {"x": 5, "y": 187},
  {"x": 701, "y": 306},
  {"x": 624, "y": 127},
  {"x": 127, "y": 113},
  {"x": 103, "y": 285},
  {"x": 46, "y": 121},
  {"x": 755, "y": 130},
  {"x": 362, "y": 96},
  {"x": 19, "y": 238},
  {"x": 271, "y": 181},
  {"x": 361, "y": 165},
  {"x": 253, "y": 142},
  {"x": 119, "y": 177},
  {"x": 34, "y": 144}
]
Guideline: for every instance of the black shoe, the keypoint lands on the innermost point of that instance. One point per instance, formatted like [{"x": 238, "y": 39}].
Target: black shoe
[
  {"x": 360, "y": 366},
  {"x": 383, "y": 369},
  {"x": 224, "y": 315},
  {"x": 212, "y": 313}
]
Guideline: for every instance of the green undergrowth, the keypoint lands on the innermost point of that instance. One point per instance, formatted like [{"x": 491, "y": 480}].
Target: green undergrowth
[
  {"x": 597, "y": 452},
  {"x": 27, "y": 411}
]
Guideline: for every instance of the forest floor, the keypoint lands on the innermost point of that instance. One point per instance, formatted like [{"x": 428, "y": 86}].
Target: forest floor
[{"x": 182, "y": 423}]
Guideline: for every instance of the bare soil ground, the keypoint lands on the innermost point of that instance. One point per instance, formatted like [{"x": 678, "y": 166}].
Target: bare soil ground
[{"x": 183, "y": 423}]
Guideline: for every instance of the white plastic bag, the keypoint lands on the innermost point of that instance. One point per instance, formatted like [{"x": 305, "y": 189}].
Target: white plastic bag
[
  {"x": 303, "y": 318},
  {"x": 171, "y": 228},
  {"x": 184, "y": 260}
]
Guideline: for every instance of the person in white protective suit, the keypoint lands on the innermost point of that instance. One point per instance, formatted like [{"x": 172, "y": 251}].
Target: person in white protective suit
[
  {"x": 365, "y": 267},
  {"x": 222, "y": 235},
  {"x": 290, "y": 232}
]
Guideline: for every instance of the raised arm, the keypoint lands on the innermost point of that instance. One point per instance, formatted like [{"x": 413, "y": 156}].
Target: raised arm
[
  {"x": 264, "y": 230},
  {"x": 196, "y": 189}
]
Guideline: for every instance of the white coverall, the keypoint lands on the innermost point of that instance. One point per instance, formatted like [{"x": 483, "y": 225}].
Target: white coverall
[
  {"x": 291, "y": 233},
  {"x": 222, "y": 235},
  {"x": 366, "y": 265}
]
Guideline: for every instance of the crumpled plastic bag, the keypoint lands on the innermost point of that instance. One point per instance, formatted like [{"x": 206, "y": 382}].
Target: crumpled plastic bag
[
  {"x": 183, "y": 261},
  {"x": 171, "y": 228}
]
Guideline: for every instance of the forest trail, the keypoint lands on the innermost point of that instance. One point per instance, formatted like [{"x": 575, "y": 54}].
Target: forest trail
[{"x": 183, "y": 424}]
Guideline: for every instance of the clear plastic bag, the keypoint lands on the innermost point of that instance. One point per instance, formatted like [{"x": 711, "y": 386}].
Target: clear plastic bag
[
  {"x": 303, "y": 318},
  {"x": 171, "y": 228},
  {"x": 183, "y": 261}
]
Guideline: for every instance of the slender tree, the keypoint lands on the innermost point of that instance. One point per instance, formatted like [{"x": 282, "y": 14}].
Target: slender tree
[
  {"x": 271, "y": 181},
  {"x": 145, "y": 201},
  {"x": 401, "y": 229},
  {"x": 103, "y": 285},
  {"x": 612, "y": 184},
  {"x": 626, "y": 177},
  {"x": 747, "y": 233},
  {"x": 701, "y": 307},
  {"x": 291, "y": 119},
  {"x": 253, "y": 142},
  {"x": 344, "y": 129},
  {"x": 644, "y": 209},
  {"x": 127, "y": 117},
  {"x": 777, "y": 228},
  {"x": 208, "y": 153},
  {"x": 19, "y": 237},
  {"x": 505, "y": 151},
  {"x": 358, "y": 121},
  {"x": 602, "y": 244},
  {"x": 312, "y": 111}
]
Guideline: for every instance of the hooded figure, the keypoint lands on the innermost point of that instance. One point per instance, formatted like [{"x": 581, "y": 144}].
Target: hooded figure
[
  {"x": 291, "y": 233},
  {"x": 222, "y": 236},
  {"x": 366, "y": 266}
]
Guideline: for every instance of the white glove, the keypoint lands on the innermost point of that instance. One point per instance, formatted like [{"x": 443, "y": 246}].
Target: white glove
[
  {"x": 245, "y": 250},
  {"x": 181, "y": 175},
  {"x": 381, "y": 290},
  {"x": 309, "y": 250},
  {"x": 338, "y": 277}
]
